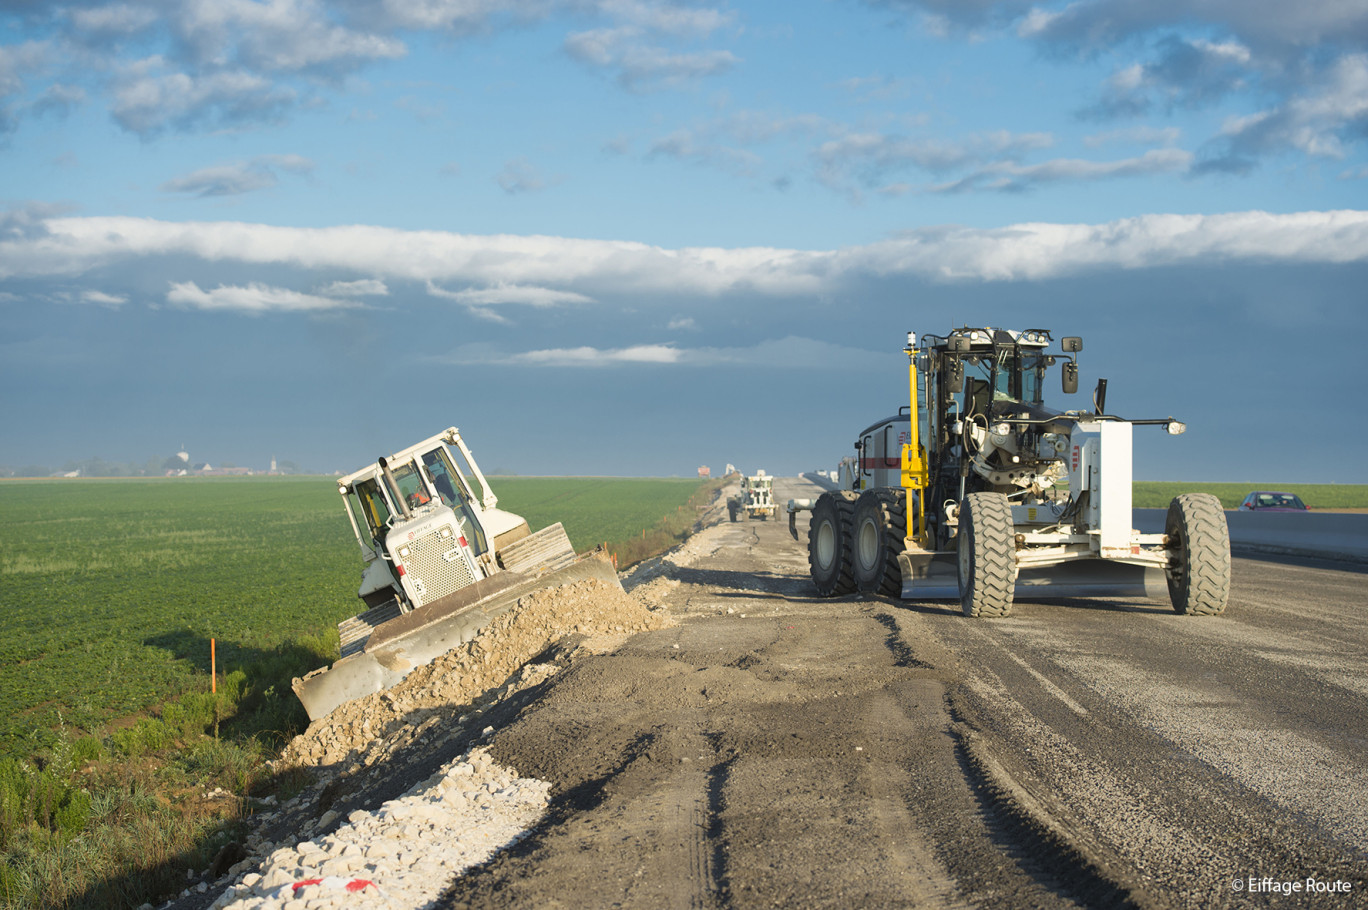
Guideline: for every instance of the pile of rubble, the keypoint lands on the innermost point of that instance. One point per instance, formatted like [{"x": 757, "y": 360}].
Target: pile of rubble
[
  {"x": 403, "y": 854},
  {"x": 601, "y": 612}
]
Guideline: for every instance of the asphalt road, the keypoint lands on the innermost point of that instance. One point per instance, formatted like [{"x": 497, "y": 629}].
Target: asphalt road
[{"x": 778, "y": 749}]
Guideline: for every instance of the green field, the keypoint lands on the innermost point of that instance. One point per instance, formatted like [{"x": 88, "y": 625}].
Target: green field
[
  {"x": 112, "y": 589},
  {"x": 1158, "y": 494}
]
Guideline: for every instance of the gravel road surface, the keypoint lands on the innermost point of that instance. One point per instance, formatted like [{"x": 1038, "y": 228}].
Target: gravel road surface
[{"x": 772, "y": 748}]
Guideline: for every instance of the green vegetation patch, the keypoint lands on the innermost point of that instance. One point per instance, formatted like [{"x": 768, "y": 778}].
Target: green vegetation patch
[
  {"x": 111, "y": 590},
  {"x": 1148, "y": 494},
  {"x": 595, "y": 510}
]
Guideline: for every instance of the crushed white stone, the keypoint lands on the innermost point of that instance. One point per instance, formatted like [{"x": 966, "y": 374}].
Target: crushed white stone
[
  {"x": 403, "y": 855},
  {"x": 407, "y": 852}
]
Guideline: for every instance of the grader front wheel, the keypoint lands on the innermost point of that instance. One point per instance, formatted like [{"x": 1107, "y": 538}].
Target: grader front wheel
[
  {"x": 987, "y": 555},
  {"x": 1199, "y": 555}
]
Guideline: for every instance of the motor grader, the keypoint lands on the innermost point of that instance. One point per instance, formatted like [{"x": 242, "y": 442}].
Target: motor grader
[
  {"x": 978, "y": 491},
  {"x": 440, "y": 560},
  {"x": 756, "y": 499}
]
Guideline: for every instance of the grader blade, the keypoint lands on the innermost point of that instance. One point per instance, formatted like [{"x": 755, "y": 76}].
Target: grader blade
[
  {"x": 1091, "y": 578},
  {"x": 935, "y": 576}
]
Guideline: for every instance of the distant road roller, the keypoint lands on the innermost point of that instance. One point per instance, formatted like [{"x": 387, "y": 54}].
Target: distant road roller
[{"x": 980, "y": 492}]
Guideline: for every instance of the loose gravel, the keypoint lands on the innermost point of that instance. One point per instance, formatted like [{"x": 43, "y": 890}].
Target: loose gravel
[{"x": 406, "y": 852}]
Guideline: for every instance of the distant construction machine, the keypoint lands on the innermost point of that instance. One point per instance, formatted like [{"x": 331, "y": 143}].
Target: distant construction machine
[
  {"x": 977, "y": 491},
  {"x": 756, "y": 499},
  {"x": 440, "y": 560}
]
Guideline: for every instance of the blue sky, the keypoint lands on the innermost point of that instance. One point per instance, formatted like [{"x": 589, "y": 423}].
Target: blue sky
[{"x": 632, "y": 237}]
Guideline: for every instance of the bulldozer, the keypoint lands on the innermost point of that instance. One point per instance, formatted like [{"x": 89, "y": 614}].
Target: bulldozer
[
  {"x": 756, "y": 499},
  {"x": 978, "y": 491},
  {"x": 440, "y": 560}
]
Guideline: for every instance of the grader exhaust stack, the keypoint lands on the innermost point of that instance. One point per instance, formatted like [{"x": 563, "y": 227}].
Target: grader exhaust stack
[{"x": 979, "y": 492}]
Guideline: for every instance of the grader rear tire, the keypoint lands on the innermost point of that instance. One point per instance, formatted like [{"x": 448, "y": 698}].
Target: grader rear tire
[
  {"x": 1199, "y": 550},
  {"x": 829, "y": 543},
  {"x": 987, "y": 555},
  {"x": 879, "y": 528}
]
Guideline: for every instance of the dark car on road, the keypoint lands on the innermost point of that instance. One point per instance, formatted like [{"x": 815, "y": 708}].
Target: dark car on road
[{"x": 1260, "y": 501}]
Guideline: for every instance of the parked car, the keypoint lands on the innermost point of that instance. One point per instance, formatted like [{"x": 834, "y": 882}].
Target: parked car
[{"x": 1262, "y": 501}]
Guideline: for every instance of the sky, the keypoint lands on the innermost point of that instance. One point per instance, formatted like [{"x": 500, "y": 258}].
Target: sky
[{"x": 632, "y": 237}]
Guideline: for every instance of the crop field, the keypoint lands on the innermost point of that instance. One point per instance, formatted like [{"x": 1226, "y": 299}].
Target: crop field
[
  {"x": 112, "y": 589},
  {"x": 1329, "y": 496}
]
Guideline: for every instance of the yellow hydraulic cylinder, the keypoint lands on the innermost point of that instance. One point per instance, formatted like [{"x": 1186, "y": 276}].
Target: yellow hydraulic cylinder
[{"x": 915, "y": 473}]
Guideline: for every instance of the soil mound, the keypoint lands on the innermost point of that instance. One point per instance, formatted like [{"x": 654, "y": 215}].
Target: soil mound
[{"x": 362, "y": 732}]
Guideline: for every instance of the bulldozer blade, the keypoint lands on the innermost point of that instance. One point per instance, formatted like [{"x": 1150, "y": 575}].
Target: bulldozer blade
[
  {"x": 417, "y": 638},
  {"x": 935, "y": 576}
]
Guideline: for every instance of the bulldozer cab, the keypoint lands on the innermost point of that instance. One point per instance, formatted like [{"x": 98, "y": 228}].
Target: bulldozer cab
[{"x": 413, "y": 484}]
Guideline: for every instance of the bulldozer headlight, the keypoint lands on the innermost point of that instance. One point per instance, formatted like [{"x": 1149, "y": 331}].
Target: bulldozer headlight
[
  {"x": 1176, "y": 427},
  {"x": 445, "y": 532},
  {"x": 403, "y": 552}
]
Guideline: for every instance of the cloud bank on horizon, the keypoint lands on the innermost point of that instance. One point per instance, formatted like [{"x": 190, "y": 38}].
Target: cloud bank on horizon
[{"x": 266, "y": 224}]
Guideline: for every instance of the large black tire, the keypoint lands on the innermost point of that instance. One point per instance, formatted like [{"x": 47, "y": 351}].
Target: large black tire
[
  {"x": 829, "y": 545},
  {"x": 987, "y": 555},
  {"x": 1199, "y": 554},
  {"x": 880, "y": 524}
]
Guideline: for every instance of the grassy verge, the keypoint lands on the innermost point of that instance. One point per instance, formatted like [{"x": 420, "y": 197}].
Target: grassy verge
[
  {"x": 119, "y": 770},
  {"x": 1329, "y": 496}
]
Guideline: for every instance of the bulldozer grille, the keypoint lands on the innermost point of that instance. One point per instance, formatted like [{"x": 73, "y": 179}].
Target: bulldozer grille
[{"x": 432, "y": 574}]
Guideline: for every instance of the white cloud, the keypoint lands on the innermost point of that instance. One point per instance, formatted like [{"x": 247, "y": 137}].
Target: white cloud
[
  {"x": 147, "y": 100},
  {"x": 252, "y": 299},
  {"x": 364, "y": 287},
  {"x": 594, "y": 357},
  {"x": 784, "y": 353},
  {"x": 596, "y": 270},
  {"x": 100, "y": 298},
  {"x": 521, "y": 176},
  {"x": 872, "y": 159},
  {"x": 1315, "y": 122},
  {"x": 510, "y": 293},
  {"x": 238, "y": 177},
  {"x": 640, "y": 64},
  {"x": 1139, "y": 135},
  {"x": 1007, "y": 176}
]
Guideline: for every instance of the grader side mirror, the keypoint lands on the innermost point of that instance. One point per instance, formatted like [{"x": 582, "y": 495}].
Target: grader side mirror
[
  {"x": 1070, "y": 377},
  {"x": 957, "y": 344},
  {"x": 1072, "y": 344}
]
